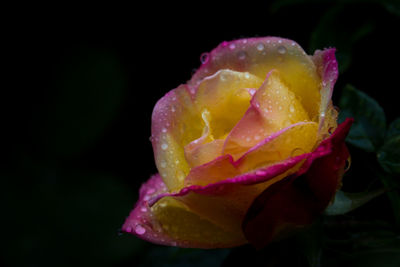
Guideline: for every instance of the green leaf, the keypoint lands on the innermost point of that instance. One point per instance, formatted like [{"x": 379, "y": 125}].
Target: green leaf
[
  {"x": 392, "y": 185},
  {"x": 389, "y": 155},
  {"x": 346, "y": 202},
  {"x": 310, "y": 242},
  {"x": 369, "y": 126},
  {"x": 394, "y": 129}
]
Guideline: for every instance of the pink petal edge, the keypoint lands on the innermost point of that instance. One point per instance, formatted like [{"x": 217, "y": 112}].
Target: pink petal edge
[{"x": 264, "y": 174}]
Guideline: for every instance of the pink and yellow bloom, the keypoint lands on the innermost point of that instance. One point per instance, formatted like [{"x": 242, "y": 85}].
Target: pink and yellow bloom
[{"x": 247, "y": 150}]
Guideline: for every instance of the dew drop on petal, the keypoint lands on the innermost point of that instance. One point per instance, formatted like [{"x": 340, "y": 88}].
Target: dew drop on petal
[
  {"x": 204, "y": 58},
  {"x": 139, "y": 229},
  {"x": 297, "y": 151},
  {"x": 281, "y": 49},
  {"x": 348, "y": 164},
  {"x": 241, "y": 55},
  {"x": 232, "y": 46},
  {"x": 164, "y": 146},
  {"x": 291, "y": 108},
  {"x": 260, "y": 172},
  {"x": 143, "y": 209},
  {"x": 260, "y": 47},
  {"x": 164, "y": 130},
  {"x": 163, "y": 164}
]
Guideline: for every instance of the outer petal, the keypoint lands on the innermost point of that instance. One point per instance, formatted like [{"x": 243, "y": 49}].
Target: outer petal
[
  {"x": 296, "y": 200},
  {"x": 327, "y": 68},
  {"x": 230, "y": 198},
  {"x": 175, "y": 123},
  {"x": 171, "y": 223},
  {"x": 259, "y": 56}
]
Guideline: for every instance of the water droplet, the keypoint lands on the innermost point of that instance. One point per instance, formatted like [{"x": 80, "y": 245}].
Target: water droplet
[
  {"x": 164, "y": 146},
  {"x": 143, "y": 209},
  {"x": 348, "y": 164},
  {"x": 280, "y": 41},
  {"x": 172, "y": 109},
  {"x": 280, "y": 107},
  {"x": 151, "y": 191},
  {"x": 266, "y": 110},
  {"x": 146, "y": 198},
  {"x": 281, "y": 49},
  {"x": 257, "y": 137},
  {"x": 260, "y": 173},
  {"x": 247, "y": 75},
  {"x": 232, "y": 46},
  {"x": 297, "y": 151},
  {"x": 164, "y": 130},
  {"x": 260, "y": 47},
  {"x": 293, "y": 43},
  {"x": 204, "y": 58},
  {"x": 241, "y": 55},
  {"x": 139, "y": 229},
  {"x": 173, "y": 98},
  {"x": 176, "y": 162},
  {"x": 128, "y": 229},
  {"x": 163, "y": 164},
  {"x": 291, "y": 108},
  {"x": 248, "y": 139}
]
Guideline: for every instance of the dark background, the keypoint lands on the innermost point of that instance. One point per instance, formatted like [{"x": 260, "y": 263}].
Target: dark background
[{"x": 84, "y": 81}]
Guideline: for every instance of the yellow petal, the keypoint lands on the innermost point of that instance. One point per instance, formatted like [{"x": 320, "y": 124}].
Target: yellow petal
[
  {"x": 225, "y": 97},
  {"x": 293, "y": 141},
  {"x": 180, "y": 223},
  {"x": 273, "y": 108}
]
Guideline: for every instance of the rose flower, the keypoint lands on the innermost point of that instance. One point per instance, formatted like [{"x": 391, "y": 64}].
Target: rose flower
[{"x": 247, "y": 151}]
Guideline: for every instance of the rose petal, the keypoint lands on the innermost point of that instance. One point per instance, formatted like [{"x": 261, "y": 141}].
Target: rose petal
[
  {"x": 170, "y": 222},
  {"x": 225, "y": 97},
  {"x": 327, "y": 68},
  {"x": 222, "y": 100},
  {"x": 273, "y": 107},
  {"x": 258, "y": 56},
  {"x": 292, "y": 141},
  {"x": 230, "y": 198},
  {"x": 203, "y": 153},
  {"x": 296, "y": 200},
  {"x": 175, "y": 123}
]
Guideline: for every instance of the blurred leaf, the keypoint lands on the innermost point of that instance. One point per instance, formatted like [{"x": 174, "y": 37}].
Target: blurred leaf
[
  {"x": 342, "y": 35},
  {"x": 310, "y": 242},
  {"x": 394, "y": 129},
  {"x": 349, "y": 242},
  {"x": 393, "y": 6},
  {"x": 86, "y": 96},
  {"x": 369, "y": 126},
  {"x": 346, "y": 202},
  {"x": 392, "y": 185},
  {"x": 389, "y": 155},
  {"x": 173, "y": 257}
]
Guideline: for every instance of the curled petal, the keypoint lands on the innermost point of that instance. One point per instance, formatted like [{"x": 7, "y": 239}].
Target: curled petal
[
  {"x": 327, "y": 68},
  {"x": 170, "y": 222}
]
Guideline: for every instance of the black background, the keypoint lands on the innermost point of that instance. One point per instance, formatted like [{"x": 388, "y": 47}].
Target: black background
[{"x": 77, "y": 110}]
